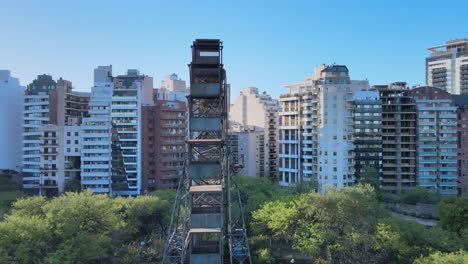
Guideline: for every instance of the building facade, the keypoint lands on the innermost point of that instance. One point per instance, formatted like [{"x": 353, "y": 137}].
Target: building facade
[
  {"x": 447, "y": 66},
  {"x": 35, "y": 114},
  {"x": 398, "y": 137},
  {"x": 437, "y": 165},
  {"x": 246, "y": 149},
  {"x": 367, "y": 134},
  {"x": 11, "y": 120},
  {"x": 164, "y": 150},
  {"x": 316, "y": 129},
  {"x": 114, "y": 166},
  {"x": 96, "y": 140},
  {"x": 51, "y": 110},
  {"x": 258, "y": 113},
  {"x": 461, "y": 102}
]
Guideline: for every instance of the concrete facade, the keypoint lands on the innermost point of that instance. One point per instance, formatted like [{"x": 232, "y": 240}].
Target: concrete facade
[
  {"x": 447, "y": 66},
  {"x": 258, "y": 113},
  {"x": 437, "y": 129},
  {"x": 367, "y": 133},
  {"x": 51, "y": 110},
  {"x": 461, "y": 102},
  {"x": 316, "y": 129},
  {"x": 11, "y": 113},
  {"x": 164, "y": 133},
  {"x": 247, "y": 149},
  {"x": 398, "y": 137}
]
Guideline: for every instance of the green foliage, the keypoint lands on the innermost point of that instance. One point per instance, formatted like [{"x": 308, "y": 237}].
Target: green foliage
[
  {"x": 370, "y": 176},
  {"x": 23, "y": 239},
  {"x": 81, "y": 228},
  {"x": 415, "y": 240},
  {"x": 453, "y": 214},
  {"x": 257, "y": 191},
  {"x": 420, "y": 195},
  {"x": 146, "y": 214},
  {"x": 338, "y": 226},
  {"x": 9, "y": 192},
  {"x": 82, "y": 248},
  {"x": 459, "y": 257},
  {"x": 345, "y": 226}
]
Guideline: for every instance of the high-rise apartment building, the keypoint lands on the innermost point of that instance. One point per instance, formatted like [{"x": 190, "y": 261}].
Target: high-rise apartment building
[
  {"x": 173, "y": 89},
  {"x": 96, "y": 139},
  {"x": 447, "y": 66},
  {"x": 51, "y": 110},
  {"x": 35, "y": 114},
  {"x": 437, "y": 164},
  {"x": 258, "y": 113},
  {"x": 114, "y": 166},
  {"x": 461, "y": 102},
  {"x": 316, "y": 129},
  {"x": 11, "y": 120},
  {"x": 398, "y": 137},
  {"x": 164, "y": 148},
  {"x": 247, "y": 149},
  {"x": 367, "y": 133}
]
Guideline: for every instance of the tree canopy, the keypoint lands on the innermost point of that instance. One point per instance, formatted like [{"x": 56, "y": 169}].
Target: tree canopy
[{"x": 82, "y": 228}]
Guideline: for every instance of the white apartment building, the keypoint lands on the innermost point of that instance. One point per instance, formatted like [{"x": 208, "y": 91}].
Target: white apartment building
[
  {"x": 316, "y": 129},
  {"x": 113, "y": 165},
  {"x": 173, "y": 89},
  {"x": 51, "y": 110},
  {"x": 96, "y": 140},
  {"x": 11, "y": 112},
  {"x": 246, "y": 148},
  {"x": 35, "y": 114},
  {"x": 447, "y": 66},
  {"x": 257, "y": 113},
  {"x": 60, "y": 158}
]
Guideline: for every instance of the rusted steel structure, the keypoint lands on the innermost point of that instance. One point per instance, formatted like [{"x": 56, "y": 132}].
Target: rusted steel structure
[{"x": 207, "y": 215}]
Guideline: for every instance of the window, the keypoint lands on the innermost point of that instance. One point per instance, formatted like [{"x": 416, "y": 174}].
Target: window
[
  {"x": 68, "y": 134},
  {"x": 76, "y": 133},
  {"x": 76, "y": 141},
  {"x": 68, "y": 141},
  {"x": 68, "y": 149}
]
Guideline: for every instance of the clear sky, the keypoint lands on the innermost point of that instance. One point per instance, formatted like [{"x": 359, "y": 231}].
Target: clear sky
[{"x": 266, "y": 43}]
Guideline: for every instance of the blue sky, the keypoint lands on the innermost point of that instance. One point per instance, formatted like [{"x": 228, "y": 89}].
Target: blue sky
[{"x": 266, "y": 43}]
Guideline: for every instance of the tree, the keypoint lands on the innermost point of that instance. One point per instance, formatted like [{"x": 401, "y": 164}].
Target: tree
[
  {"x": 459, "y": 257},
  {"x": 147, "y": 215},
  {"x": 420, "y": 195},
  {"x": 370, "y": 176},
  {"x": 257, "y": 191},
  {"x": 24, "y": 239},
  {"x": 339, "y": 226},
  {"x": 453, "y": 214}
]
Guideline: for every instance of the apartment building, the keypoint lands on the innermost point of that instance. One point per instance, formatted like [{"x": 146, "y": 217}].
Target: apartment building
[
  {"x": 398, "y": 137},
  {"x": 164, "y": 133},
  {"x": 172, "y": 89},
  {"x": 367, "y": 133},
  {"x": 246, "y": 149},
  {"x": 461, "y": 101},
  {"x": 51, "y": 109},
  {"x": 96, "y": 140},
  {"x": 254, "y": 112},
  {"x": 437, "y": 165},
  {"x": 114, "y": 166},
  {"x": 35, "y": 114},
  {"x": 447, "y": 66},
  {"x": 316, "y": 129},
  {"x": 11, "y": 120}
]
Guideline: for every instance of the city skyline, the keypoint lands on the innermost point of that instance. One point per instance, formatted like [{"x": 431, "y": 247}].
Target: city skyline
[{"x": 70, "y": 39}]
